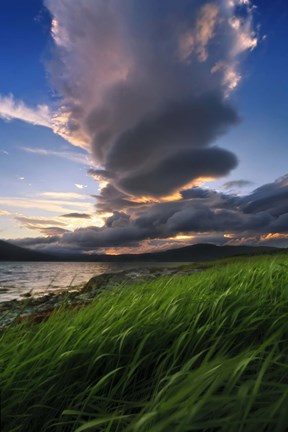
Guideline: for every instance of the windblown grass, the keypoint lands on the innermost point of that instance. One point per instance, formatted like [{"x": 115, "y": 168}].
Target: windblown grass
[{"x": 206, "y": 352}]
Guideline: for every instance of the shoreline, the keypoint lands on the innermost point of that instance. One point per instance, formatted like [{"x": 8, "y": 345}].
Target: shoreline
[{"x": 39, "y": 308}]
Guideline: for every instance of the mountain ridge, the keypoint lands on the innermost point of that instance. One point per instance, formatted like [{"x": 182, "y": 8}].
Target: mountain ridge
[
  {"x": 192, "y": 253},
  {"x": 11, "y": 252}
]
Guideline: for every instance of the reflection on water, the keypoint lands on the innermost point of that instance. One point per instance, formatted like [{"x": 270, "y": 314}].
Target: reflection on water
[{"x": 18, "y": 278}]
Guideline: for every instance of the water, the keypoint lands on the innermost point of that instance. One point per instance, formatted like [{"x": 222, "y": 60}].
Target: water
[{"x": 19, "y": 278}]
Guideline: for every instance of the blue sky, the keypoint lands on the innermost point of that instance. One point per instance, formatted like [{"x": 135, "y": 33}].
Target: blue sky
[
  {"x": 260, "y": 141},
  {"x": 25, "y": 36},
  {"x": 36, "y": 163},
  {"x": 25, "y": 28}
]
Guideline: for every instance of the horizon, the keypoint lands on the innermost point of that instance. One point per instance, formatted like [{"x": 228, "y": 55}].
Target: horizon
[
  {"x": 59, "y": 254},
  {"x": 143, "y": 127}
]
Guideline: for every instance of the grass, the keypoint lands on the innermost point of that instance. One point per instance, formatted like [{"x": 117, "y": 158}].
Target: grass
[{"x": 206, "y": 352}]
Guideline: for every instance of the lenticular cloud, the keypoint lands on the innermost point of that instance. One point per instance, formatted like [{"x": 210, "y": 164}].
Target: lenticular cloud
[{"x": 144, "y": 87}]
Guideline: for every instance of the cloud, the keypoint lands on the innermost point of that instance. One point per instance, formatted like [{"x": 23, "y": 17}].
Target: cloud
[
  {"x": 275, "y": 240},
  {"x": 36, "y": 222},
  {"x": 198, "y": 38},
  {"x": 178, "y": 170},
  {"x": 77, "y": 216},
  {"x": 4, "y": 213},
  {"x": 237, "y": 184},
  {"x": 51, "y": 205},
  {"x": 158, "y": 90},
  {"x": 271, "y": 198},
  {"x": 42, "y": 115},
  {"x": 80, "y": 186},
  {"x": 55, "y": 226},
  {"x": 52, "y": 231},
  {"x": 149, "y": 151},
  {"x": 144, "y": 87},
  {"x": 111, "y": 199},
  {"x": 11, "y": 109},
  {"x": 63, "y": 195},
  {"x": 258, "y": 218},
  {"x": 74, "y": 157},
  {"x": 47, "y": 227},
  {"x": 146, "y": 99}
]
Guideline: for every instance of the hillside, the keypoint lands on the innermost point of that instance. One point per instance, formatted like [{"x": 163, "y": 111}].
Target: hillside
[
  {"x": 173, "y": 354},
  {"x": 9, "y": 252}
]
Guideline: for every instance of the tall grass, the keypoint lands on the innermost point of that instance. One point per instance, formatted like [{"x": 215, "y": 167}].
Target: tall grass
[{"x": 206, "y": 352}]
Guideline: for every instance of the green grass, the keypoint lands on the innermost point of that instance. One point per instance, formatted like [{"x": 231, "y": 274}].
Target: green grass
[{"x": 206, "y": 352}]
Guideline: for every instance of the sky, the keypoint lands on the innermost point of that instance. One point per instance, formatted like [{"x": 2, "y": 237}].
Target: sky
[{"x": 138, "y": 126}]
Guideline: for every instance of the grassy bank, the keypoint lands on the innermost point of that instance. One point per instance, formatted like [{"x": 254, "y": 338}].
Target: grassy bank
[{"x": 204, "y": 352}]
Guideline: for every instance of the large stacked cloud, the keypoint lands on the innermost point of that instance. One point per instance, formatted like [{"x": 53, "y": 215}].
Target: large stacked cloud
[{"x": 144, "y": 86}]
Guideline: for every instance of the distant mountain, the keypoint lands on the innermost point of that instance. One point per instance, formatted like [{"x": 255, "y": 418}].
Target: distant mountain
[
  {"x": 204, "y": 252},
  {"x": 198, "y": 252},
  {"x": 9, "y": 252},
  {"x": 193, "y": 253}
]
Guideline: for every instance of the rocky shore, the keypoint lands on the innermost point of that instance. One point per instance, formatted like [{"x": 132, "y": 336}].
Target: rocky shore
[{"x": 38, "y": 309}]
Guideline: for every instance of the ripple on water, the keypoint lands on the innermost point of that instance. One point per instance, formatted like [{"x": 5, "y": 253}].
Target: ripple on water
[{"x": 44, "y": 277}]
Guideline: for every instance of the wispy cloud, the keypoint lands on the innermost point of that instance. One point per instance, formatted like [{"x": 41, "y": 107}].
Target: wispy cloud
[
  {"x": 74, "y": 157},
  {"x": 80, "y": 186},
  {"x": 63, "y": 195},
  {"x": 199, "y": 37},
  {"x": 41, "y": 115},
  {"x": 4, "y": 213},
  {"x": 38, "y": 221},
  {"x": 55, "y": 206},
  {"x": 57, "y": 225},
  {"x": 17, "y": 110},
  {"x": 47, "y": 227},
  {"x": 76, "y": 216}
]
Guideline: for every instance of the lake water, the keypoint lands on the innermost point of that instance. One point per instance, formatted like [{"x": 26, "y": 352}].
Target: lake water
[{"x": 19, "y": 278}]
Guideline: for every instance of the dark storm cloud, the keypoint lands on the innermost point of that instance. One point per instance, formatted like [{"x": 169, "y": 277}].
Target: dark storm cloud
[
  {"x": 211, "y": 198},
  {"x": 204, "y": 219},
  {"x": 144, "y": 87},
  {"x": 111, "y": 199},
  {"x": 215, "y": 213},
  {"x": 169, "y": 174},
  {"x": 193, "y": 124},
  {"x": 271, "y": 198},
  {"x": 201, "y": 213},
  {"x": 280, "y": 224},
  {"x": 118, "y": 219},
  {"x": 164, "y": 151},
  {"x": 197, "y": 193}
]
